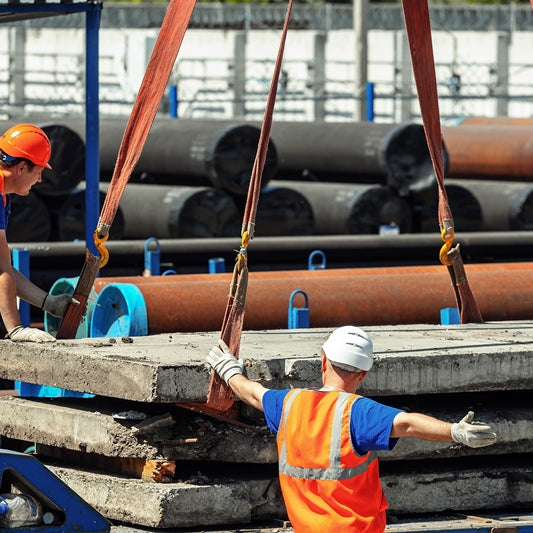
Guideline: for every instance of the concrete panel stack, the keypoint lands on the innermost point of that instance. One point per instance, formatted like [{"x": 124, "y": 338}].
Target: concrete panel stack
[{"x": 140, "y": 458}]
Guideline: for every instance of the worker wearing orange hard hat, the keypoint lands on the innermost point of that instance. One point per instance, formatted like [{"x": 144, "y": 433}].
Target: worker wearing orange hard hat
[
  {"x": 327, "y": 437},
  {"x": 24, "y": 153}
]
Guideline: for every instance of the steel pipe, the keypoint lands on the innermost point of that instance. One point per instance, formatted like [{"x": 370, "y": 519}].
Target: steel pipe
[
  {"x": 70, "y": 215},
  {"x": 465, "y": 207},
  {"x": 505, "y": 205},
  {"x": 178, "y": 212},
  {"x": 490, "y": 152},
  {"x": 341, "y": 208},
  {"x": 366, "y": 296},
  {"x": 30, "y": 219},
  {"x": 286, "y": 253},
  {"x": 393, "y": 154},
  {"x": 283, "y": 210},
  {"x": 187, "y": 151},
  {"x": 495, "y": 121}
]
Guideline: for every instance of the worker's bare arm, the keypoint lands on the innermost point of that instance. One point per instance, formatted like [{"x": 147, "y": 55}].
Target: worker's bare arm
[
  {"x": 250, "y": 392},
  {"x": 421, "y": 426}
]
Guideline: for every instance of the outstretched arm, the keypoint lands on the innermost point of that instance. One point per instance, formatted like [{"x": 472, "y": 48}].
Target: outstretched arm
[
  {"x": 421, "y": 426},
  {"x": 429, "y": 428}
]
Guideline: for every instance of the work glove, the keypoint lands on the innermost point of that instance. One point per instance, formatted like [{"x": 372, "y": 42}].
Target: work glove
[
  {"x": 223, "y": 362},
  {"x": 57, "y": 305},
  {"x": 22, "y": 334},
  {"x": 473, "y": 435}
]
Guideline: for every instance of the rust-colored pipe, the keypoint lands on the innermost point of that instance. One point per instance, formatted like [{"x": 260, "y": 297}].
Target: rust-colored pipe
[
  {"x": 364, "y": 296},
  {"x": 490, "y": 152},
  {"x": 496, "y": 121}
]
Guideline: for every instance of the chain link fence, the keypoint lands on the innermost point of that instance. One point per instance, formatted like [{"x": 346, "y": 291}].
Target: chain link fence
[{"x": 53, "y": 84}]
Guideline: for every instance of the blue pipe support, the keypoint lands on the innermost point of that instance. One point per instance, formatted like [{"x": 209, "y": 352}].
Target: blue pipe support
[{"x": 21, "y": 261}]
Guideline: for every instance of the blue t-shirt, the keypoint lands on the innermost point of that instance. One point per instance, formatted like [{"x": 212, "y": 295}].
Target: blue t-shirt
[
  {"x": 370, "y": 423},
  {"x": 4, "y": 211}
]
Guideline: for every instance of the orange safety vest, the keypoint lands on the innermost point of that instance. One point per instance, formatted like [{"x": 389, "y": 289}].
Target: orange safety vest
[{"x": 326, "y": 485}]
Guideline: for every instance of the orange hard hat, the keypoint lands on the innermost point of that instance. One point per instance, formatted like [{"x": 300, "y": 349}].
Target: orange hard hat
[{"x": 29, "y": 142}]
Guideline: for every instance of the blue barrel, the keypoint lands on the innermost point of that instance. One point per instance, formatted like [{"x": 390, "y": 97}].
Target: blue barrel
[
  {"x": 67, "y": 286},
  {"x": 119, "y": 311}
]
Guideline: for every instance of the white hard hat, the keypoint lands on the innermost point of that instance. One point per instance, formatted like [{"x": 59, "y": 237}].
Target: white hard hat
[{"x": 349, "y": 345}]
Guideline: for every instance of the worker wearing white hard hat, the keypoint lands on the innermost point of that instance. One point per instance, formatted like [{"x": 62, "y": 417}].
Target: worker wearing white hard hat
[{"x": 327, "y": 437}]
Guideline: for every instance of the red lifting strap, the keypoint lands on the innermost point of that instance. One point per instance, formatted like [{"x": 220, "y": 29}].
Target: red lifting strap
[
  {"x": 220, "y": 397},
  {"x": 417, "y": 22},
  {"x": 142, "y": 116}
]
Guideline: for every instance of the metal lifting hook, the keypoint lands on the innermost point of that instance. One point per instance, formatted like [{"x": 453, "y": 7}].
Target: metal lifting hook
[
  {"x": 102, "y": 250},
  {"x": 242, "y": 257},
  {"x": 447, "y": 235}
]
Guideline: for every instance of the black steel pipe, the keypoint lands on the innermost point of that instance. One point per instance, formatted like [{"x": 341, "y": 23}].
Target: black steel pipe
[
  {"x": 167, "y": 212},
  {"x": 393, "y": 154},
  {"x": 341, "y": 208},
  {"x": 30, "y": 219},
  {"x": 505, "y": 205},
  {"x": 283, "y": 210},
  {"x": 187, "y": 151},
  {"x": 277, "y": 253},
  {"x": 465, "y": 207}
]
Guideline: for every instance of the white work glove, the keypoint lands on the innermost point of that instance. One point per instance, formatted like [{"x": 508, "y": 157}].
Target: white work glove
[
  {"x": 473, "y": 435},
  {"x": 57, "y": 305},
  {"x": 22, "y": 334},
  {"x": 223, "y": 362}
]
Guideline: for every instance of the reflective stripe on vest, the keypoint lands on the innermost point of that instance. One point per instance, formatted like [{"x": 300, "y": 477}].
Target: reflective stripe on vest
[{"x": 335, "y": 471}]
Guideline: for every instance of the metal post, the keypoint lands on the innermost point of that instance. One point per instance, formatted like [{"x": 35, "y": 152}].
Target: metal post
[
  {"x": 92, "y": 154},
  {"x": 17, "y": 66},
  {"x": 360, "y": 18},
  {"x": 502, "y": 74},
  {"x": 319, "y": 77},
  {"x": 369, "y": 101},
  {"x": 173, "y": 101},
  {"x": 239, "y": 75}
]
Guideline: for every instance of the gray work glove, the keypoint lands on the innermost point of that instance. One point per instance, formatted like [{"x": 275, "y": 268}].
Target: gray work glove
[
  {"x": 22, "y": 334},
  {"x": 473, "y": 435},
  {"x": 223, "y": 362},
  {"x": 57, "y": 305}
]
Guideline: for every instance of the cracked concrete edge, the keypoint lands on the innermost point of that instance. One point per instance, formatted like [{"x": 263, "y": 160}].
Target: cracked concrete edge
[{"x": 230, "y": 501}]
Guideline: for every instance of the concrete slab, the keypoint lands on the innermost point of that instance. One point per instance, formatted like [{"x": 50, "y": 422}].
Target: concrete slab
[
  {"x": 230, "y": 501},
  {"x": 98, "y": 426},
  {"x": 101, "y": 426},
  {"x": 412, "y": 359}
]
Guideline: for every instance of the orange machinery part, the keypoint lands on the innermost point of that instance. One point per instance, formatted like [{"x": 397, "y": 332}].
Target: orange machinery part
[
  {"x": 362, "y": 296},
  {"x": 502, "y": 152}
]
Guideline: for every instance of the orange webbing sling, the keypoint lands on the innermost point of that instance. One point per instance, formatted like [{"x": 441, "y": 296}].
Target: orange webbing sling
[
  {"x": 220, "y": 397},
  {"x": 142, "y": 116},
  {"x": 417, "y": 22}
]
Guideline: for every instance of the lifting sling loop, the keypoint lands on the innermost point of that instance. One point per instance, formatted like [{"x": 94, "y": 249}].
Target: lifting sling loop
[
  {"x": 417, "y": 22},
  {"x": 220, "y": 397},
  {"x": 142, "y": 116}
]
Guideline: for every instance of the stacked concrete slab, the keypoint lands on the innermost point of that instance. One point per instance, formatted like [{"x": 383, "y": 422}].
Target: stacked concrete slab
[{"x": 226, "y": 473}]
